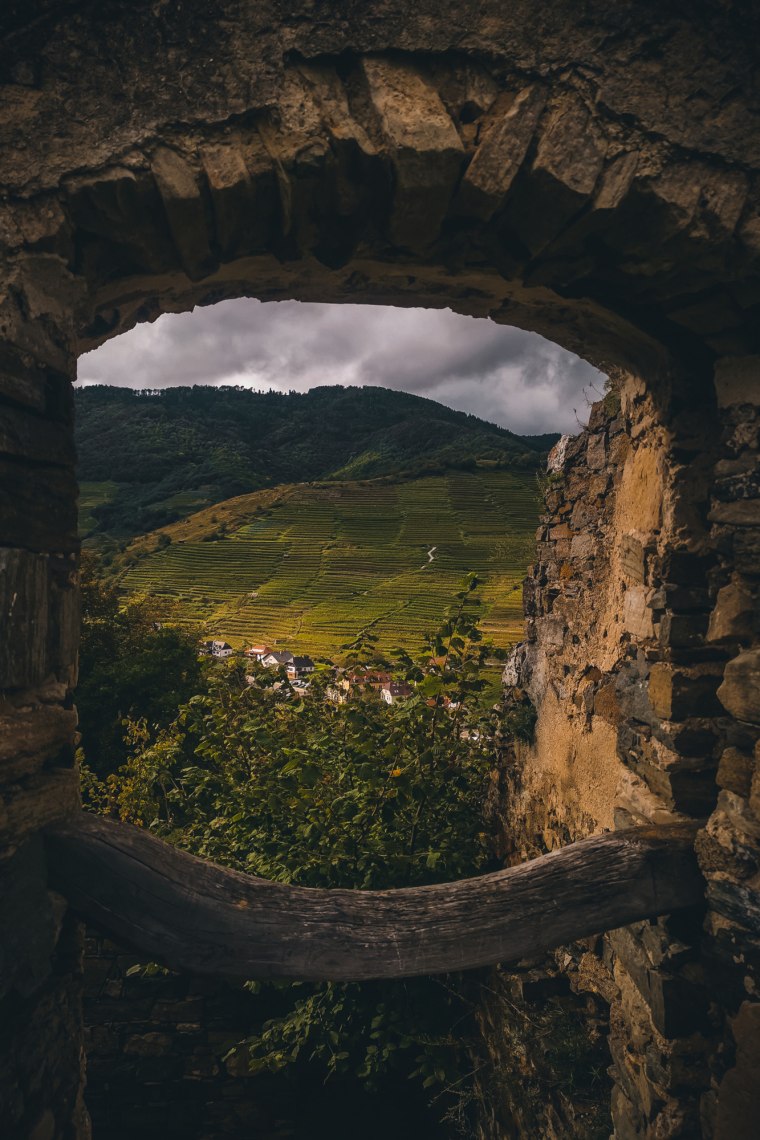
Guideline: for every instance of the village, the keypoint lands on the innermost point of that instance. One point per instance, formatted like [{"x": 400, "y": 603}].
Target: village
[{"x": 347, "y": 684}]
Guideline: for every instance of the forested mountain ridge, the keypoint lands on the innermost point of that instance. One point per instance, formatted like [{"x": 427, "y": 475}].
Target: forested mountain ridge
[{"x": 156, "y": 456}]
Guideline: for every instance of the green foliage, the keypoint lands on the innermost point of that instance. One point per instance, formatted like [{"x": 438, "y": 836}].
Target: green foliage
[
  {"x": 131, "y": 664},
  {"x": 360, "y": 795},
  {"x": 169, "y": 453}
]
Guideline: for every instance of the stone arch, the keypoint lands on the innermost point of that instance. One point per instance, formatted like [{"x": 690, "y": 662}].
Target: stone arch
[{"x": 549, "y": 172}]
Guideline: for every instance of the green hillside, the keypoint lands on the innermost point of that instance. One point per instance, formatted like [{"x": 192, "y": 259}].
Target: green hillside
[
  {"x": 311, "y": 566},
  {"x": 149, "y": 458}
]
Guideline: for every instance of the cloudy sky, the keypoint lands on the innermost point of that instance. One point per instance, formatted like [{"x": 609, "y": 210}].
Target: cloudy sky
[{"x": 504, "y": 375}]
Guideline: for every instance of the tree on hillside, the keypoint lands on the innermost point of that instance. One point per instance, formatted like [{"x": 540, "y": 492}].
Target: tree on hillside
[{"x": 132, "y": 663}]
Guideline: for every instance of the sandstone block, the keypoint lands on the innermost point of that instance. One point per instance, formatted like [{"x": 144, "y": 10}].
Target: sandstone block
[
  {"x": 505, "y": 137},
  {"x": 734, "y": 613},
  {"x": 675, "y": 694},
  {"x": 615, "y": 182},
  {"x": 569, "y": 159},
  {"x": 747, "y": 550},
  {"x": 637, "y": 616},
  {"x": 740, "y": 691},
  {"x": 38, "y": 506},
  {"x": 582, "y": 546},
  {"x": 606, "y": 703},
  {"x": 743, "y": 512},
  {"x": 28, "y": 436},
  {"x": 124, "y": 206},
  {"x": 738, "y": 1110},
  {"x": 24, "y": 380},
  {"x": 735, "y": 772},
  {"x": 737, "y": 380},
  {"x": 596, "y": 452},
  {"x": 683, "y": 631},
  {"x": 631, "y": 556},
  {"x": 232, "y": 193},
  {"x": 44, "y": 798},
  {"x": 551, "y": 633},
  {"x": 31, "y": 733},
  {"x": 425, "y": 148},
  {"x": 185, "y": 212},
  {"x": 24, "y": 615},
  {"x": 331, "y": 100}
]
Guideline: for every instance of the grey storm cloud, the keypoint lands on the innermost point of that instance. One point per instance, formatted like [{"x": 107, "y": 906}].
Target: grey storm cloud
[{"x": 507, "y": 376}]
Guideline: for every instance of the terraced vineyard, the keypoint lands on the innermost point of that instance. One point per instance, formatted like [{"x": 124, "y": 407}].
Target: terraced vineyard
[
  {"x": 309, "y": 566},
  {"x": 91, "y": 495}
]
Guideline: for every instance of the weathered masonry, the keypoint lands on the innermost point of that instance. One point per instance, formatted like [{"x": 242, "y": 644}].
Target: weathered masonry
[{"x": 591, "y": 172}]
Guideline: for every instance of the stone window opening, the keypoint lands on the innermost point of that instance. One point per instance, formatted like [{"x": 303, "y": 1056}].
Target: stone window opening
[{"x": 622, "y": 226}]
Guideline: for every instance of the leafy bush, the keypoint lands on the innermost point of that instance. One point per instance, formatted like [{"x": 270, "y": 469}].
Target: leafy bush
[{"x": 363, "y": 795}]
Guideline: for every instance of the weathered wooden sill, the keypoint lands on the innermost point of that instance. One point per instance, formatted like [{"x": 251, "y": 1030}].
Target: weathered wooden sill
[{"x": 201, "y": 918}]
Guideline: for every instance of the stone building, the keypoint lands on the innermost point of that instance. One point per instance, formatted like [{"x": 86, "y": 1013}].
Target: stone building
[{"x": 591, "y": 172}]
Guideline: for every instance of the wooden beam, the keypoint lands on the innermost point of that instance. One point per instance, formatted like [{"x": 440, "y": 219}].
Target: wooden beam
[{"x": 201, "y": 918}]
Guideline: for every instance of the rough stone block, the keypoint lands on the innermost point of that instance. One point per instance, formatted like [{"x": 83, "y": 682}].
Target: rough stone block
[
  {"x": 24, "y": 614},
  {"x": 426, "y": 150},
  {"x": 123, "y": 206},
  {"x": 185, "y": 211},
  {"x": 564, "y": 174},
  {"x": 631, "y": 555},
  {"x": 675, "y": 694},
  {"x": 683, "y": 631},
  {"x": 738, "y": 1109},
  {"x": 38, "y": 507},
  {"x": 233, "y": 196},
  {"x": 676, "y": 1004},
  {"x": 28, "y": 436},
  {"x": 40, "y": 615},
  {"x": 734, "y": 612},
  {"x": 637, "y": 616},
  {"x": 33, "y": 730},
  {"x": 504, "y": 140},
  {"x": 743, "y": 512},
  {"x": 25, "y": 381},
  {"x": 737, "y": 380},
  {"x": 596, "y": 453},
  {"x": 740, "y": 691},
  {"x": 747, "y": 551},
  {"x": 48, "y": 796},
  {"x": 735, "y": 772},
  {"x": 148, "y": 1045}
]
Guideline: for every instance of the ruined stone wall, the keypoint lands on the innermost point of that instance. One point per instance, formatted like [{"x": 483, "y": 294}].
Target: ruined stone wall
[
  {"x": 644, "y": 589},
  {"x": 40, "y": 1000},
  {"x": 157, "y": 1052}
]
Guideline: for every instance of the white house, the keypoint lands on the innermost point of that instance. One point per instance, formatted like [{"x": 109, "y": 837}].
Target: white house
[
  {"x": 300, "y": 667},
  {"x": 395, "y": 691},
  {"x": 274, "y": 659},
  {"x": 221, "y": 649}
]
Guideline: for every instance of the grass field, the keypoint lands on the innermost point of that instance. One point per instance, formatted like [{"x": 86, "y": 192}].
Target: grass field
[
  {"x": 309, "y": 566},
  {"x": 91, "y": 495}
]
